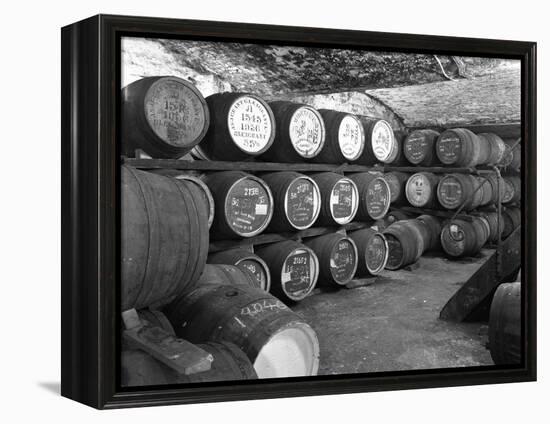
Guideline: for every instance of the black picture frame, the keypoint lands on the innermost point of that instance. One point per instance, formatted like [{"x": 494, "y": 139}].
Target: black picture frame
[{"x": 90, "y": 210}]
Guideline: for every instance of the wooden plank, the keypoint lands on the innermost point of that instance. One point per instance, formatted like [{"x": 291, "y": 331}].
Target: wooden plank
[
  {"x": 216, "y": 246},
  {"x": 178, "y": 354},
  {"x": 252, "y": 166}
]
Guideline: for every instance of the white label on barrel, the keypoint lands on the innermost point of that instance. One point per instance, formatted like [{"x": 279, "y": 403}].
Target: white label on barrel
[
  {"x": 175, "y": 112},
  {"x": 383, "y": 141},
  {"x": 453, "y": 240},
  {"x": 306, "y": 131},
  {"x": 419, "y": 190},
  {"x": 298, "y": 273},
  {"x": 302, "y": 203},
  {"x": 448, "y": 147},
  {"x": 351, "y": 137},
  {"x": 249, "y": 124},
  {"x": 343, "y": 261},
  {"x": 343, "y": 201},
  {"x": 247, "y": 206}
]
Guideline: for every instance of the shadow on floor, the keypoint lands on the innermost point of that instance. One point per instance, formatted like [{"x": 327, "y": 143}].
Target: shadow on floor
[{"x": 51, "y": 386}]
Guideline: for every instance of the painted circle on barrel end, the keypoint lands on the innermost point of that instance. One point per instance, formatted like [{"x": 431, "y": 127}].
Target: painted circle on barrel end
[
  {"x": 383, "y": 142},
  {"x": 378, "y": 198},
  {"x": 302, "y": 203},
  {"x": 251, "y": 124},
  {"x": 418, "y": 190},
  {"x": 449, "y": 147},
  {"x": 449, "y": 192},
  {"x": 376, "y": 254},
  {"x": 307, "y": 131},
  {"x": 248, "y": 207},
  {"x": 176, "y": 112},
  {"x": 416, "y": 147},
  {"x": 343, "y": 201},
  {"x": 343, "y": 261},
  {"x": 351, "y": 137},
  {"x": 299, "y": 273}
]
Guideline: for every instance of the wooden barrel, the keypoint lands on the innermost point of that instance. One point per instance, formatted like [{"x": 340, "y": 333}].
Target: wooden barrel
[
  {"x": 397, "y": 182},
  {"x": 374, "y": 195},
  {"x": 244, "y": 204},
  {"x": 406, "y": 242},
  {"x": 164, "y": 238},
  {"x": 419, "y": 147},
  {"x": 339, "y": 198},
  {"x": 459, "y": 147},
  {"x": 464, "y": 238},
  {"x": 421, "y": 190},
  {"x": 380, "y": 142},
  {"x": 372, "y": 251},
  {"x": 512, "y": 155},
  {"x": 345, "y": 138},
  {"x": 242, "y": 126},
  {"x": 505, "y": 325},
  {"x": 300, "y": 133},
  {"x": 198, "y": 184},
  {"x": 512, "y": 220},
  {"x": 512, "y": 190},
  {"x": 294, "y": 269},
  {"x": 454, "y": 190},
  {"x": 337, "y": 256},
  {"x": 163, "y": 116},
  {"x": 245, "y": 260},
  {"x": 278, "y": 342},
  {"x": 297, "y": 201},
  {"x": 496, "y": 147},
  {"x": 433, "y": 226},
  {"x": 494, "y": 225},
  {"x": 229, "y": 364}
]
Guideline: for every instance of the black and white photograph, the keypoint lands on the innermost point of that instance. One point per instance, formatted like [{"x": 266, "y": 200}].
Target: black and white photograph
[{"x": 291, "y": 211}]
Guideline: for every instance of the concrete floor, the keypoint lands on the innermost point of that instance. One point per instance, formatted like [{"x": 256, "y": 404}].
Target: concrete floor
[{"x": 392, "y": 324}]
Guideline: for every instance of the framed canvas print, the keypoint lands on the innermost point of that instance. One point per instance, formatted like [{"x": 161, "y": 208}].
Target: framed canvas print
[{"x": 254, "y": 211}]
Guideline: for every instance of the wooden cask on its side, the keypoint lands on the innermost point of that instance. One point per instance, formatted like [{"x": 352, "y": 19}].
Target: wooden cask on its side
[
  {"x": 505, "y": 325},
  {"x": 244, "y": 260},
  {"x": 419, "y": 147},
  {"x": 374, "y": 195},
  {"x": 372, "y": 251},
  {"x": 339, "y": 198}
]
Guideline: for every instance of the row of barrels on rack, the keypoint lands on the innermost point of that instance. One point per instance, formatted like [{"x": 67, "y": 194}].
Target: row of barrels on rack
[
  {"x": 167, "y": 117},
  {"x": 409, "y": 238},
  {"x": 451, "y": 191},
  {"x": 244, "y": 205}
]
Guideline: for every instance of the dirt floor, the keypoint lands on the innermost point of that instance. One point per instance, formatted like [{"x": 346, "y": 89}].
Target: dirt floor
[{"x": 393, "y": 323}]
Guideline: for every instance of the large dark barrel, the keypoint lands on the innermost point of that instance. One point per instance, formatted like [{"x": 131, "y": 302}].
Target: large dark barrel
[
  {"x": 407, "y": 240},
  {"x": 421, "y": 190},
  {"x": 277, "y": 341},
  {"x": 512, "y": 220},
  {"x": 512, "y": 190},
  {"x": 294, "y": 269},
  {"x": 505, "y": 325},
  {"x": 464, "y": 238},
  {"x": 163, "y": 116},
  {"x": 164, "y": 238},
  {"x": 300, "y": 133},
  {"x": 372, "y": 251},
  {"x": 337, "y": 256},
  {"x": 433, "y": 226},
  {"x": 230, "y": 363},
  {"x": 339, "y": 198},
  {"x": 244, "y": 260},
  {"x": 496, "y": 147},
  {"x": 297, "y": 201},
  {"x": 244, "y": 204},
  {"x": 380, "y": 142},
  {"x": 242, "y": 125},
  {"x": 419, "y": 147},
  {"x": 397, "y": 182},
  {"x": 198, "y": 184},
  {"x": 460, "y": 147},
  {"x": 455, "y": 190},
  {"x": 345, "y": 138},
  {"x": 374, "y": 195}
]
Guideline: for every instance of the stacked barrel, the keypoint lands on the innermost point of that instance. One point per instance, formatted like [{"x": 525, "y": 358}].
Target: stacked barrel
[{"x": 228, "y": 250}]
